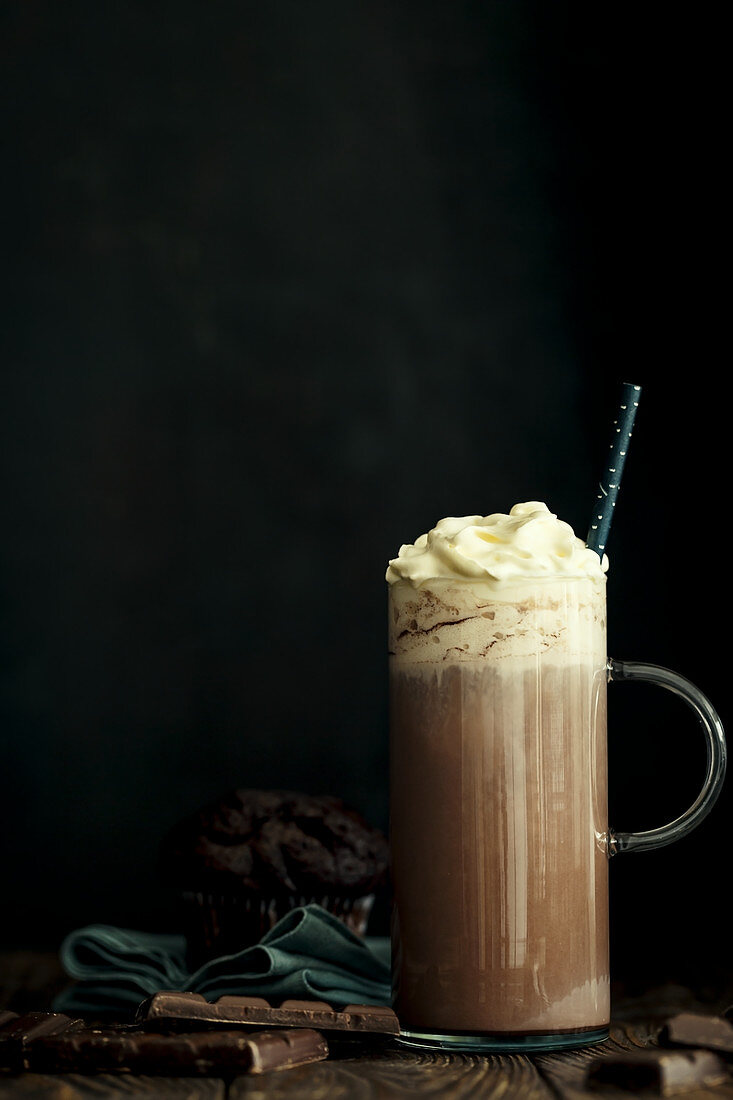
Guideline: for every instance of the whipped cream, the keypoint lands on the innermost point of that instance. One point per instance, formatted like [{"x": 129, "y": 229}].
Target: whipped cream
[{"x": 499, "y": 550}]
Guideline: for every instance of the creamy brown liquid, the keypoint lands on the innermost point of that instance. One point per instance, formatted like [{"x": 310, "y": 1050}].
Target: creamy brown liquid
[{"x": 498, "y": 833}]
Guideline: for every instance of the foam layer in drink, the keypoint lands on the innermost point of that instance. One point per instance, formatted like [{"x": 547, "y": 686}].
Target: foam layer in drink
[
  {"x": 498, "y": 806},
  {"x": 448, "y": 621}
]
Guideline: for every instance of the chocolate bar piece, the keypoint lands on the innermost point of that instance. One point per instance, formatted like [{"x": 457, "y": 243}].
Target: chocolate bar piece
[
  {"x": 659, "y": 1072},
  {"x": 695, "y": 1029},
  {"x": 15, "y": 1028},
  {"x": 217, "y": 1052},
  {"x": 173, "y": 1009},
  {"x": 18, "y": 1031}
]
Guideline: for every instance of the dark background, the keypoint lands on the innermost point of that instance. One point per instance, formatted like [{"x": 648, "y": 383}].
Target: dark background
[{"x": 284, "y": 284}]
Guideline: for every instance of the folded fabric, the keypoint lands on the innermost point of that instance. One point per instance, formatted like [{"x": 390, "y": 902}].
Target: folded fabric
[{"x": 309, "y": 954}]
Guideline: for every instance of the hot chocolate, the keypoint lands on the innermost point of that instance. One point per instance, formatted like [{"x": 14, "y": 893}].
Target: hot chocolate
[{"x": 498, "y": 779}]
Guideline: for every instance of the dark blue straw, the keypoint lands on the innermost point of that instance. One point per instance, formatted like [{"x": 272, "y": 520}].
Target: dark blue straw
[{"x": 611, "y": 477}]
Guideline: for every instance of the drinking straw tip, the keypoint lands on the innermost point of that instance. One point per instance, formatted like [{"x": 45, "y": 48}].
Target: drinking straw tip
[{"x": 611, "y": 477}]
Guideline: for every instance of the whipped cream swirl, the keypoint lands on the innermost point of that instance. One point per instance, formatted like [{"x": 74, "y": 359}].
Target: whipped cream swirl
[{"x": 528, "y": 543}]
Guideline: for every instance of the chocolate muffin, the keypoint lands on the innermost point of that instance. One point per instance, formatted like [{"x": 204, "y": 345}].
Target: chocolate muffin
[{"x": 243, "y": 861}]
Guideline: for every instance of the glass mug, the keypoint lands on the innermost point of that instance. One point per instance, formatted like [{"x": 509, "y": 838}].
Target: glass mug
[{"x": 498, "y": 811}]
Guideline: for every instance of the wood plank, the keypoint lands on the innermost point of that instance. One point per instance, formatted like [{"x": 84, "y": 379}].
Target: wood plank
[
  {"x": 397, "y": 1075},
  {"x": 109, "y": 1086}
]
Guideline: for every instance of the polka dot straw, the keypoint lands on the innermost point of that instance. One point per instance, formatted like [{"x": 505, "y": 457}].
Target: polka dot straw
[{"x": 611, "y": 478}]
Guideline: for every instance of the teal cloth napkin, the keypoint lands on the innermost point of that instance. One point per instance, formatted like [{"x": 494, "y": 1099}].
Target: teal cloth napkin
[{"x": 308, "y": 954}]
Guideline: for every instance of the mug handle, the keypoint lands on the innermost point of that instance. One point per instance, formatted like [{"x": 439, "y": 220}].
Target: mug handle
[{"x": 715, "y": 736}]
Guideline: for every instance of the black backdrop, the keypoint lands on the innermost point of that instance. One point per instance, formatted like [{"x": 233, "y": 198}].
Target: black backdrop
[{"x": 284, "y": 284}]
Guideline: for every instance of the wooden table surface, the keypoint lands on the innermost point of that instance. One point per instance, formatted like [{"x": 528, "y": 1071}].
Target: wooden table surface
[{"x": 28, "y": 981}]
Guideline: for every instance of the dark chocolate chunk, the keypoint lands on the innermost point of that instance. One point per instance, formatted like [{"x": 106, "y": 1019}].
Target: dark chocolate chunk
[
  {"x": 31, "y": 1024},
  {"x": 172, "y": 1009},
  {"x": 101, "y": 1050},
  {"x": 660, "y": 1072},
  {"x": 18, "y": 1031},
  {"x": 286, "y": 1047},
  {"x": 696, "y": 1029}
]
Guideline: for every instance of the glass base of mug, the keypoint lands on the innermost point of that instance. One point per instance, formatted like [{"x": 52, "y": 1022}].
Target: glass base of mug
[{"x": 464, "y": 1042}]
